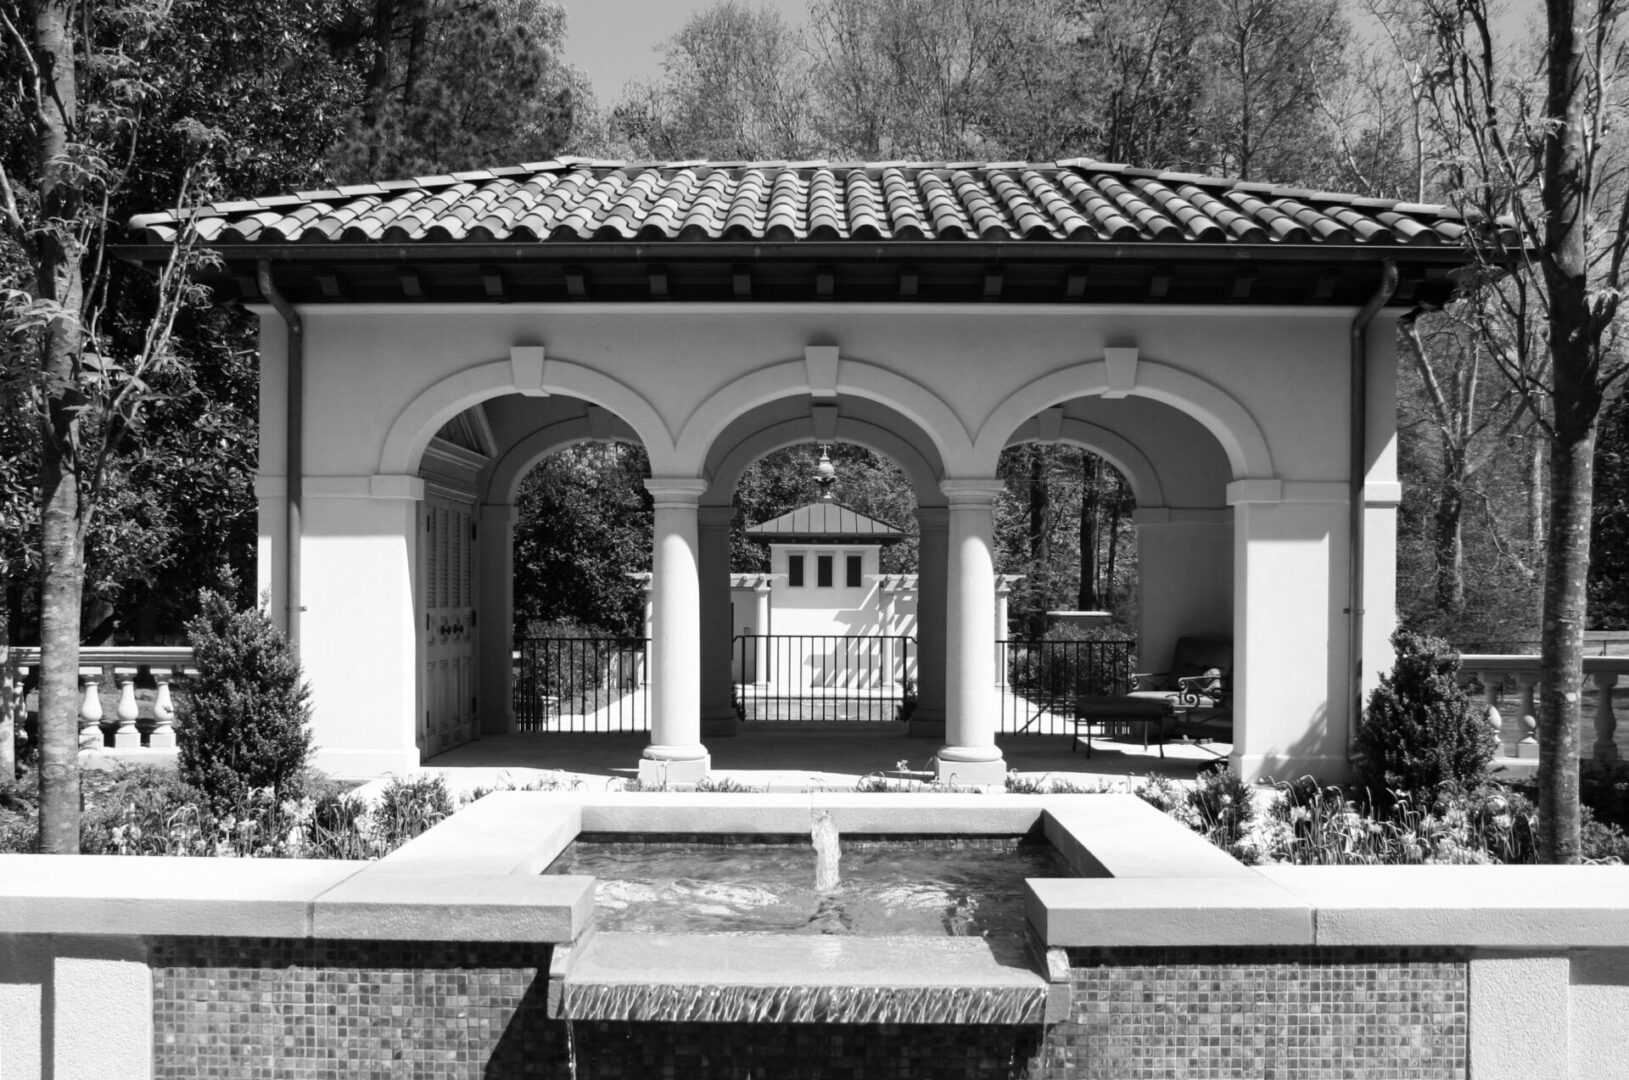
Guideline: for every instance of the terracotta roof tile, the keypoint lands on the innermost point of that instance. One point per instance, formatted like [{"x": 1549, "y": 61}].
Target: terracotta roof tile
[{"x": 577, "y": 200}]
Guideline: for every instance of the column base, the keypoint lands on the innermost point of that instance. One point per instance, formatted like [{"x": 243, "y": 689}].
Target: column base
[
  {"x": 970, "y": 773},
  {"x": 669, "y": 772},
  {"x": 126, "y": 737}
]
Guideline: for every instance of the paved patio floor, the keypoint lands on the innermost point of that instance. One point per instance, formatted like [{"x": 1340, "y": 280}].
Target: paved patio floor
[{"x": 798, "y": 760}]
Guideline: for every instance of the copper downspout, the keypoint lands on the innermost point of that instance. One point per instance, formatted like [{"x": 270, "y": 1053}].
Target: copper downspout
[
  {"x": 294, "y": 421},
  {"x": 1358, "y": 473}
]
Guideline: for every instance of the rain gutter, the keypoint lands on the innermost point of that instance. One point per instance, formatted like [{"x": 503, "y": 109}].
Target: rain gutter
[
  {"x": 293, "y": 424},
  {"x": 1357, "y": 475}
]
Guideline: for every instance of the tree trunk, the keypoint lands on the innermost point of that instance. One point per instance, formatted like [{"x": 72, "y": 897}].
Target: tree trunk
[
  {"x": 1086, "y": 597},
  {"x": 1448, "y": 540},
  {"x": 11, "y": 692},
  {"x": 1576, "y": 404},
  {"x": 1108, "y": 590},
  {"x": 62, "y": 543},
  {"x": 1040, "y": 539}
]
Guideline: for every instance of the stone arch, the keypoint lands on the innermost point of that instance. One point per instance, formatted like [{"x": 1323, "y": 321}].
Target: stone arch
[
  {"x": 513, "y": 465},
  {"x": 1118, "y": 451},
  {"x": 922, "y": 471},
  {"x": 858, "y": 378},
  {"x": 422, "y": 418},
  {"x": 1221, "y": 414}
]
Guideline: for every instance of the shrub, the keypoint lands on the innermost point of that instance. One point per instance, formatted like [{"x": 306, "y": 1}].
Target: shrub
[
  {"x": 242, "y": 720},
  {"x": 1225, "y": 807},
  {"x": 1068, "y": 662},
  {"x": 408, "y": 808},
  {"x": 1422, "y": 736},
  {"x": 569, "y": 661}
]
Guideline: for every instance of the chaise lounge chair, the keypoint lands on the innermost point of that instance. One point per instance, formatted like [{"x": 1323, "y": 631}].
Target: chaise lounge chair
[{"x": 1193, "y": 699}]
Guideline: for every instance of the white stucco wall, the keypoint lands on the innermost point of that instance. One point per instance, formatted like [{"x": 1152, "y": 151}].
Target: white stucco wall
[{"x": 1192, "y": 399}]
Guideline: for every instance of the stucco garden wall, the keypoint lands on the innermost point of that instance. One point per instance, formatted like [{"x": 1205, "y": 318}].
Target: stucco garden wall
[{"x": 1237, "y": 419}]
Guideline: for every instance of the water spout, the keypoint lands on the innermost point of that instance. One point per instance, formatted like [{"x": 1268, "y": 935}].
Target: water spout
[{"x": 824, "y": 835}]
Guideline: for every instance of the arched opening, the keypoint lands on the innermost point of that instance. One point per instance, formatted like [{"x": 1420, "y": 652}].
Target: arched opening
[
  {"x": 533, "y": 514},
  {"x": 824, "y": 555},
  {"x": 812, "y": 596},
  {"x": 1116, "y": 513}
]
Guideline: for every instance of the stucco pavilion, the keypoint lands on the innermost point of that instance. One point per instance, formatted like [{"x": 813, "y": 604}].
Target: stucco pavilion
[{"x": 1228, "y": 346}]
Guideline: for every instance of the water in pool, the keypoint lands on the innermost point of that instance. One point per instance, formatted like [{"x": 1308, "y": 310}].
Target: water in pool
[{"x": 885, "y": 887}]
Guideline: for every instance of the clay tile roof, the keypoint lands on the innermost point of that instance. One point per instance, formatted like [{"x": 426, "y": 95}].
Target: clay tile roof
[
  {"x": 578, "y": 200},
  {"x": 824, "y": 521}
]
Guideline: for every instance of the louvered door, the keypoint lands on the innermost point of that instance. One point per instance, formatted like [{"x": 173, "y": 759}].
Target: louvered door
[{"x": 449, "y": 624}]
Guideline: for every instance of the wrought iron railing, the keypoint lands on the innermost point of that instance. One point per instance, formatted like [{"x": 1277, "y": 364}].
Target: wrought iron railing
[
  {"x": 581, "y": 684},
  {"x": 1041, "y": 681},
  {"x": 824, "y": 677}
]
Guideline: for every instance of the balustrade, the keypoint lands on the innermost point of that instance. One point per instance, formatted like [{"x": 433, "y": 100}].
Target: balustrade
[
  {"x": 1518, "y": 730},
  {"x": 118, "y": 666}
]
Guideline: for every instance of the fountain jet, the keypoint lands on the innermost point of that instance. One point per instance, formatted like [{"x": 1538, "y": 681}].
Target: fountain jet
[{"x": 824, "y": 834}]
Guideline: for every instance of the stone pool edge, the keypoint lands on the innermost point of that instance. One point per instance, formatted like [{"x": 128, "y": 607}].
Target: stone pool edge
[{"x": 1546, "y": 942}]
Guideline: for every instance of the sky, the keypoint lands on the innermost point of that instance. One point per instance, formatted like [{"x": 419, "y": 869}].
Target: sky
[{"x": 615, "y": 40}]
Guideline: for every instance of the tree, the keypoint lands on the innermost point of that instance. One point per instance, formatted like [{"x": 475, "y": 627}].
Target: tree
[
  {"x": 584, "y": 526},
  {"x": 1264, "y": 57},
  {"x": 735, "y": 87},
  {"x": 1542, "y": 168},
  {"x": 455, "y": 84},
  {"x": 87, "y": 391}
]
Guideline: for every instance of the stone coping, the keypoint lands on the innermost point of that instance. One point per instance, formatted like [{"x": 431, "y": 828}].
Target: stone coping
[
  {"x": 800, "y": 979},
  {"x": 1144, "y": 879}
]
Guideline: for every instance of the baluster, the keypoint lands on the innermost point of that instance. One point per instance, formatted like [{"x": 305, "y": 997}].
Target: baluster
[
  {"x": 125, "y": 735},
  {"x": 163, "y": 735},
  {"x": 1606, "y": 722},
  {"x": 90, "y": 709},
  {"x": 1527, "y": 746},
  {"x": 1491, "y": 681}
]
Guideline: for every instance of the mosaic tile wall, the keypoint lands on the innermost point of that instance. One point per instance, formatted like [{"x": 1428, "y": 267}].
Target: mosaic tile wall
[
  {"x": 252, "y": 1009},
  {"x": 1280, "y": 1013},
  {"x": 266, "y": 1009}
]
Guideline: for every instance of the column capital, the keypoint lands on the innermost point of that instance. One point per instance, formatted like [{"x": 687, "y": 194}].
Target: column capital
[
  {"x": 972, "y": 491},
  {"x": 676, "y": 492},
  {"x": 933, "y": 518},
  {"x": 714, "y": 517}
]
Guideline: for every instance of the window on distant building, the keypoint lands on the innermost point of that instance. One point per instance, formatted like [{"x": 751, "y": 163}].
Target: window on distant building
[
  {"x": 823, "y": 571},
  {"x": 794, "y": 571},
  {"x": 853, "y": 572}
]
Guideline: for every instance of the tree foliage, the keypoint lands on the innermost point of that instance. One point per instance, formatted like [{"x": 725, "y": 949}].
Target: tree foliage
[{"x": 584, "y": 526}]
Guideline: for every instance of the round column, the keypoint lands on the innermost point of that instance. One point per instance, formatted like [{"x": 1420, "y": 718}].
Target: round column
[
  {"x": 933, "y": 522},
  {"x": 675, "y": 754},
  {"x": 761, "y": 631},
  {"x": 970, "y": 754}
]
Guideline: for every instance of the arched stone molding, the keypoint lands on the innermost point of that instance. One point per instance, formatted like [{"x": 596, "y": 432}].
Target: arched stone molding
[
  {"x": 917, "y": 466},
  {"x": 511, "y": 468},
  {"x": 858, "y": 378},
  {"x": 1221, "y": 414},
  {"x": 422, "y": 418},
  {"x": 1114, "y": 448}
]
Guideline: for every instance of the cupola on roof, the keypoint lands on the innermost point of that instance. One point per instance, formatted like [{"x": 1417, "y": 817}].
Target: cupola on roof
[{"x": 824, "y": 522}]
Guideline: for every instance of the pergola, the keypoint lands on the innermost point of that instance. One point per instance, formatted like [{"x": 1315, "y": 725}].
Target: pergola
[{"x": 1228, "y": 346}]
